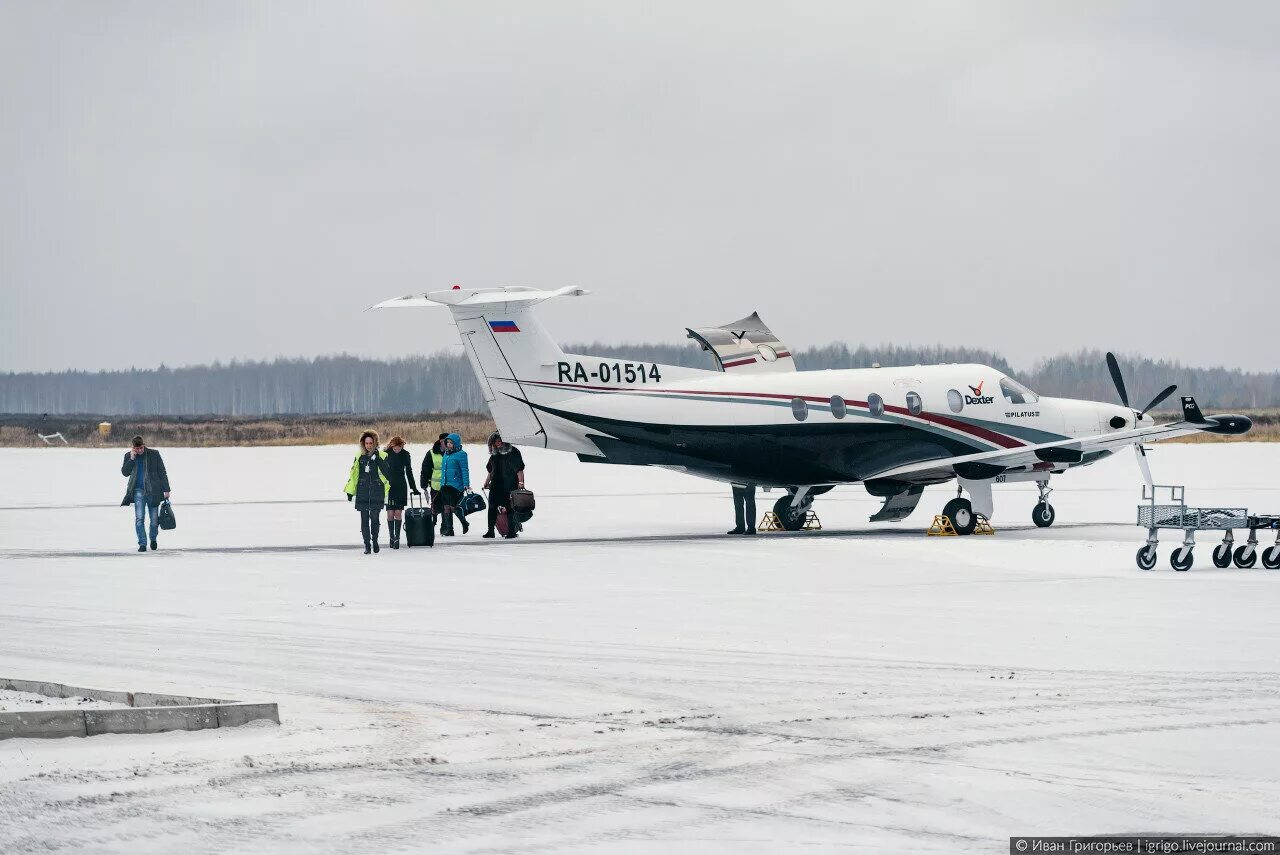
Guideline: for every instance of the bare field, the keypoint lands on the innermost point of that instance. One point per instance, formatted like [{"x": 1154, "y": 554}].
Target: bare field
[{"x": 210, "y": 431}]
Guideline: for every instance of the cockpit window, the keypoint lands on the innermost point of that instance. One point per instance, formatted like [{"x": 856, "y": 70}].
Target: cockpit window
[{"x": 1016, "y": 393}]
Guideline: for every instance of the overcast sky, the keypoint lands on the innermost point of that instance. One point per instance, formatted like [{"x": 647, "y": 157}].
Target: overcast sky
[{"x": 182, "y": 182}]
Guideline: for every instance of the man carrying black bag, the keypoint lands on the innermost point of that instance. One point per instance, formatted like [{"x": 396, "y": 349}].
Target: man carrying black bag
[
  {"x": 148, "y": 488},
  {"x": 506, "y": 473}
]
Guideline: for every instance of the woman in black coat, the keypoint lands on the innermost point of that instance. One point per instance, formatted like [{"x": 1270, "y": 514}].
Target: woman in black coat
[
  {"x": 399, "y": 468},
  {"x": 367, "y": 487}
]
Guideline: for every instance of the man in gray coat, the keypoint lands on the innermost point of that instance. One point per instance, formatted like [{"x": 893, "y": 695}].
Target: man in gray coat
[{"x": 148, "y": 487}]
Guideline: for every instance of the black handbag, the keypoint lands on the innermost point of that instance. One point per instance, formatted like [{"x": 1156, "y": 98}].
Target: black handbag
[
  {"x": 471, "y": 503},
  {"x": 165, "y": 517},
  {"x": 522, "y": 500}
]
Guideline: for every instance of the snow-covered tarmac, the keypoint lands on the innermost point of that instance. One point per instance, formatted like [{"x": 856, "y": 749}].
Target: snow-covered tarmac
[{"x": 625, "y": 678}]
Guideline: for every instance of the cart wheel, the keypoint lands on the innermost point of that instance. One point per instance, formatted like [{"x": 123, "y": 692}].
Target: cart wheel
[
  {"x": 1182, "y": 558},
  {"x": 1222, "y": 556},
  {"x": 1246, "y": 556},
  {"x": 1271, "y": 558},
  {"x": 1042, "y": 515},
  {"x": 1146, "y": 557}
]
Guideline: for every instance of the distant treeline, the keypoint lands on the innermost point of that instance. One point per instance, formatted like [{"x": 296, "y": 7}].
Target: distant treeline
[{"x": 444, "y": 382}]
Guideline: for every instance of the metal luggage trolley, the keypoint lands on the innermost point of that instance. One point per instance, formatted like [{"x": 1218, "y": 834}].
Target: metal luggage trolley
[{"x": 1154, "y": 517}]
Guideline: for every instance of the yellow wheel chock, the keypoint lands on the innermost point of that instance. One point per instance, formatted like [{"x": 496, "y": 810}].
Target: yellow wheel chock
[
  {"x": 941, "y": 527},
  {"x": 770, "y": 522}
]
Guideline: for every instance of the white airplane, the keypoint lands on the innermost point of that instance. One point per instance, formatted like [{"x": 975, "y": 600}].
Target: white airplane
[{"x": 757, "y": 420}]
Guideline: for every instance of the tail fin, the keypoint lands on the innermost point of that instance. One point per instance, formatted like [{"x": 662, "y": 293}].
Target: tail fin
[{"x": 506, "y": 344}]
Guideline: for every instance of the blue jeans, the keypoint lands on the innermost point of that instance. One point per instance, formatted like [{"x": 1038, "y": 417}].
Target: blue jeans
[{"x": 140, "y": 508}]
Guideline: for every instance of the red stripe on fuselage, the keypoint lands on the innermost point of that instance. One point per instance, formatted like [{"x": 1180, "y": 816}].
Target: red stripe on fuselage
[{"x": 964, "y": 427}]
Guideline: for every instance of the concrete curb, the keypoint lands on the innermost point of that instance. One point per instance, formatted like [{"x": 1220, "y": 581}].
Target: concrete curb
[{"x": 147, "y": 713}]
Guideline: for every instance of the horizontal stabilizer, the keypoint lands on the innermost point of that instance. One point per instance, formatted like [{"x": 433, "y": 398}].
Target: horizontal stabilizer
[{"x": 487, "y": 297}]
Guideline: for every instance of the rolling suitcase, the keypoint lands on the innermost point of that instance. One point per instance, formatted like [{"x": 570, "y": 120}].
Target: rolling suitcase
[
  {"x": 502, "y": 522},
  {"x": 419, "y": 527}
]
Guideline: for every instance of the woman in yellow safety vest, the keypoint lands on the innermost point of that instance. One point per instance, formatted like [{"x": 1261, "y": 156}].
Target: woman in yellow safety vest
[{"x": 432, "y": 468}]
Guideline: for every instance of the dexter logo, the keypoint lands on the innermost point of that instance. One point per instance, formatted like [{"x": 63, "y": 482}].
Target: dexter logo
[{"x": 977, "y": 397}]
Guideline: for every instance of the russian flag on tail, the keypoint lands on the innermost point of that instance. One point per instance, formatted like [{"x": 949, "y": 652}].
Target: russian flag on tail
[{"x": 503, "y": 326}]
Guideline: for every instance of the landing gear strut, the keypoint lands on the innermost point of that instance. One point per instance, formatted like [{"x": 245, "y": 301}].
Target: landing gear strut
[{"x": 1042, "y": 514}]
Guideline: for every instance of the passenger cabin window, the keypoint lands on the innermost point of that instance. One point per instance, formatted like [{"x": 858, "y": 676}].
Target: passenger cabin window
[
  {"x": 955, "y": 400},
  {"x": 838, "y": 409},
  {"x": 799, "y": 409},
  {"x": 767, "y": 353},
  {"x": 875, "y": 404},
  {"x": 914, "y": 405},
  {"x": 1015, "y": 393}
]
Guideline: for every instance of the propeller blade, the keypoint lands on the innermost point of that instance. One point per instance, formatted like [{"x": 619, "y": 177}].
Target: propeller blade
[
  {"x": 1141, "y": 452},
  {"x": 1156, "y": 400},
  {"x": 1114, "y": 368}
]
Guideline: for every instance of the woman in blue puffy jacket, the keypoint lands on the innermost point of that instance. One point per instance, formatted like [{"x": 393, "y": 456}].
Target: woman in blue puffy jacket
[{"x": 455, "y": 482}]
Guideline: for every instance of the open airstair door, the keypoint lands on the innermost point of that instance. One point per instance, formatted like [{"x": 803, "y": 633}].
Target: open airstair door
[{"x": 745, "y": 346}]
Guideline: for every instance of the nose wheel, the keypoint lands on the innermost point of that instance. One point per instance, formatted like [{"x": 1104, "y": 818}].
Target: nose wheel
[{"x": 1042, "y": 514}]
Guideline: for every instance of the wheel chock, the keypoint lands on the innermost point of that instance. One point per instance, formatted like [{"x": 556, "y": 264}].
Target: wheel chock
[
  {"x": 941, "y": 527},
  {"x": 983, "y": 525},
  {"x": 770, "y": 523}
]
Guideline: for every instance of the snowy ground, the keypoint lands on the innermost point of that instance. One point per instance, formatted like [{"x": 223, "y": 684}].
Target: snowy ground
[
  {"x": 11, "y": 701},
  {"x": 626, "y": 678}
]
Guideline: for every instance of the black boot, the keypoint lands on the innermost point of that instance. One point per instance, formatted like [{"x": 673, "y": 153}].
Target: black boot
[
  {"x": 446, "y": 525},
  {"x": 466, "y": 526},
  {"x": 394, "y": 525},
  {"x": 374, "y": 527}
]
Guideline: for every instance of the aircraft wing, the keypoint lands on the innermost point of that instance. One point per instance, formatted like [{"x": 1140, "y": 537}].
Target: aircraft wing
[
  {"x": 745, "y": 346},
  {"x": 1047, "y": 455}
]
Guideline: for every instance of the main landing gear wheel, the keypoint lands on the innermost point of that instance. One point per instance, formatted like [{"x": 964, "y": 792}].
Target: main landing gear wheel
[
  {"x": 1043, "y": 515},
  {"x": 960, "y": 512},
  {"x": 1271, "y": 558},
  {"x": 792, "y": 519},
  {"x": 1246, "y": 556},
  {"x": 1146, "y": 557},
  {"x": 1222, "y": 556},
  {"x": 1182, "y": 558}
]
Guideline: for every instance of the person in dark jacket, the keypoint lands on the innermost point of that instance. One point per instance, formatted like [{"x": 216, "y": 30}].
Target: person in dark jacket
[
  {"x": 367, "y": 486},
  {"x": 455, "y": 482},
  {"x": 399, "y": 467},
  {"x": 148, "y": 486},
  {"x": 744, "y": 509},
  {"x": 432, "y": 470},
  {"x": 506, "y": 473}
]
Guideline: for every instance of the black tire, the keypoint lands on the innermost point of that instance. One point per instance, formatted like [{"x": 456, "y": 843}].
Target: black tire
[
  {"x": 1042, "y": 515},
  {"x": 1182, "y": 558},
  {"x": 1271, "y": 558},
  {"x": 960, "y": 512},
  {"x": 791, "y": 519},
  {"x": 1241, "y": 561},
  {"x": 1146, "y": 557},
  {"x": 1222, "y": 556}
]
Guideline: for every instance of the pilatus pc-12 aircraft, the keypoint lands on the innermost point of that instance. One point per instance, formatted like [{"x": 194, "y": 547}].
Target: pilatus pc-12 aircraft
[{"x": 757, "y": 420}]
